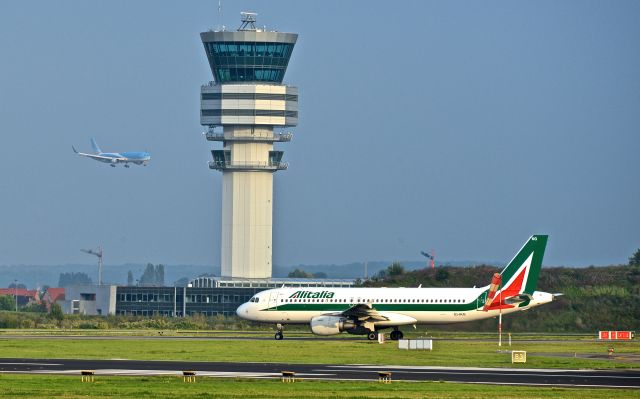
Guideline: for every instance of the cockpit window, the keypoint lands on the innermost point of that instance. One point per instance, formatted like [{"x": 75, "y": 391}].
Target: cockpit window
[{"x": 254, "y": 299}]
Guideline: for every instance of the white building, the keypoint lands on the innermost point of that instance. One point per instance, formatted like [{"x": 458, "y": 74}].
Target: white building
[{"x": 90, "y": 300}]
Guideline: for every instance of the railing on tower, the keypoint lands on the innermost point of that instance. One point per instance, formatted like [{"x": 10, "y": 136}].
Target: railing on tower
[{"x": 248, "y": 165}]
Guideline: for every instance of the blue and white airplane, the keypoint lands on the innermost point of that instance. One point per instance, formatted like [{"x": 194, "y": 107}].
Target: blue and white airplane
[{"x": 114, "y": 158}]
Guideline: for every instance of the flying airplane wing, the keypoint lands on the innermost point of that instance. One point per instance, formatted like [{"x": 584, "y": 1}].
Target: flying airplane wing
[
  {"x": 99, "y": 157},
  {"x": 104, "y": 158}
]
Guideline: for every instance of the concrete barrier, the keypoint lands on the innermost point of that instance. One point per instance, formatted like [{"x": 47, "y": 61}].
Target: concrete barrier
[{"x": 418, "y": 344}]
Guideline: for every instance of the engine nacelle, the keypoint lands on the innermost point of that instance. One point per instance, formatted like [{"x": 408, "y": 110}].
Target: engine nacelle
[{"x": 330, "y": 325}]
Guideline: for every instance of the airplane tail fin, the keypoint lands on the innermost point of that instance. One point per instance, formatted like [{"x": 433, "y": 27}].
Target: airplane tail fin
[
  {"x": 96, "y": 149},
  {"x": 520, "y": 277},
  {"x": 74, "y": 149}
]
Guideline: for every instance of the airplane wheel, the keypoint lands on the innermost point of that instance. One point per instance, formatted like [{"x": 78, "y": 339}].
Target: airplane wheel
[
  {"x": 278, "y": 336},
  {"x": 393, "y": 335},
  {"x": 372, "y": 336}
]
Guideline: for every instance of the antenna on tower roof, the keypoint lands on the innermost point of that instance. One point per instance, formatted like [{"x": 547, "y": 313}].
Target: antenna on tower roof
[{"x": 248, "y": 20}]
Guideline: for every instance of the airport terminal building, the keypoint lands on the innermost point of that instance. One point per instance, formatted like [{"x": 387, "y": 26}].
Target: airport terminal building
[{"x": 206, "y": 296}]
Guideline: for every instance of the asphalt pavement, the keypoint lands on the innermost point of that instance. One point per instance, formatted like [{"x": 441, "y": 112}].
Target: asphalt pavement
[{"x": 507, "y": 376}]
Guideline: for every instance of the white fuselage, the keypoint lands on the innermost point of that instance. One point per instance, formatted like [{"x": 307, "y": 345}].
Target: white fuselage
[{"x": 403, "y": 305}]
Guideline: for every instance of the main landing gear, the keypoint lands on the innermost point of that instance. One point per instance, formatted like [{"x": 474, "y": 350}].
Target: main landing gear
[
  {"x": 278, "y": 336},
  {"x": 394, "y": 335}
]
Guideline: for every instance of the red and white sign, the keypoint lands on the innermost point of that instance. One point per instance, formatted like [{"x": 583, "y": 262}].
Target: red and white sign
[{"x": 609, "y": 335}]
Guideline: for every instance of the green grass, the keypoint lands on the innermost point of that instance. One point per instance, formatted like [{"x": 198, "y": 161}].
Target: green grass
[
  {"x": 70, "y": 387},
  {"x": 334, "y": 351}
]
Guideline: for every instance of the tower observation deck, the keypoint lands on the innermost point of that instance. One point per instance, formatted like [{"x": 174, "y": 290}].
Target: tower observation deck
[{"x": 248, "y": 100}]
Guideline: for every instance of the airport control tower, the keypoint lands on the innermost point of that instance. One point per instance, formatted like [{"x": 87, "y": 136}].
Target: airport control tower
[{"x": 247, "y": 100}]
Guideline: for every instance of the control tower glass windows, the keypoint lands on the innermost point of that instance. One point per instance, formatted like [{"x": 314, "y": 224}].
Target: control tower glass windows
[
  {"x": 249, "y": 96},
  {"x": 248, "y": 61}
]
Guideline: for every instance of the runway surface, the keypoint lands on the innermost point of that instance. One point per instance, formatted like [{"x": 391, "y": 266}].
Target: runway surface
[
  {"x": 255, "y": 337},
  {"x": 506, "y": 376}
]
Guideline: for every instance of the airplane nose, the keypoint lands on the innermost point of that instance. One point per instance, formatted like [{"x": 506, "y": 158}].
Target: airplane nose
[{"x": 242, "y": 310}]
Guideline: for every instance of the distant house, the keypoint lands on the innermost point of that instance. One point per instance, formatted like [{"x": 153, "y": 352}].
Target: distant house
[
  {"x": 23, "y": 296},
  {"x": 52, "y": 296}
]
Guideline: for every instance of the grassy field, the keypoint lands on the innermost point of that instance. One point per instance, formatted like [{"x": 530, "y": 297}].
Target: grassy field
[
  {"x": 550, "y": 354},
  {"x": 70, "y": 387}
]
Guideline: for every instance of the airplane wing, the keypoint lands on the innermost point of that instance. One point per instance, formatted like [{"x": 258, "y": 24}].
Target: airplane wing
[
  {"x": 103, "y": 158},
  {"x": 99, "y": 157},
  {"x": 362, "y": 312}
]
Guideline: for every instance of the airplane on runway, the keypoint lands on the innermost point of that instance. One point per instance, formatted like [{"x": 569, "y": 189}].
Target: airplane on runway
[
  {"x": 366, "y": 311},
  {"x": 114, "y": 158}
]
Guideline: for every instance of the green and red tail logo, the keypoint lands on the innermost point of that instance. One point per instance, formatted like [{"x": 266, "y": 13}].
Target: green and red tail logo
[{"x": 521, "y": 274}]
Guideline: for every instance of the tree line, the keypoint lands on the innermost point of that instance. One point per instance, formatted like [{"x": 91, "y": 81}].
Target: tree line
[{"x": 593, "y": 298}]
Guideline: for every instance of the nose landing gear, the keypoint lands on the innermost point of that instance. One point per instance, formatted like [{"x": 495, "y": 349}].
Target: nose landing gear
[
  {"x": 396, "y": 335},
  {"x": 279, "y": 336}
]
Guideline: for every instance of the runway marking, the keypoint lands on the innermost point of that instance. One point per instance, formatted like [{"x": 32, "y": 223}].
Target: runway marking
[
  {"x": 31, "y": 364},
  {"x": 551, "y": 373},
  {"x": 552, "y": 385},
  {"x": 370, "y": 366},
  {"x": 175, "y": 372},
  {"x": 519, "y": 374}
]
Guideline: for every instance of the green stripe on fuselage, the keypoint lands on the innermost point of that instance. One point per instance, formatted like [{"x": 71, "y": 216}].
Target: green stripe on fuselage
[{"x": 381, "y": 307}]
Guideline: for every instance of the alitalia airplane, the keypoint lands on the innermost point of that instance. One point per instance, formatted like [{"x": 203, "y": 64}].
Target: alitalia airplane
[
  {"x": 113, "y": 158},
  {"x": 366, "y": 311}
]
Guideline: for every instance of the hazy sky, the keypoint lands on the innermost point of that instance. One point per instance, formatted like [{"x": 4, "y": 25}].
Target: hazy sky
[{"x": 460, "y": 126}]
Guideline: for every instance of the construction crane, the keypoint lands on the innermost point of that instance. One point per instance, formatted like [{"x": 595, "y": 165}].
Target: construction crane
[
  {"x": 430, "y": 257},
  {"x": 97, "y": 253}
]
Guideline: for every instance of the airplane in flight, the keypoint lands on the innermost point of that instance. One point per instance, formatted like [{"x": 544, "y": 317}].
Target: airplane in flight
[
  {"x": 366, "y": 311},
  {"x": 114, "y": 158}
]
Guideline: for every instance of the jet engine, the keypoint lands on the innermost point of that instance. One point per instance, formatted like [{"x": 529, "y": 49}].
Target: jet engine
[{"x": 330, "y": 325}]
